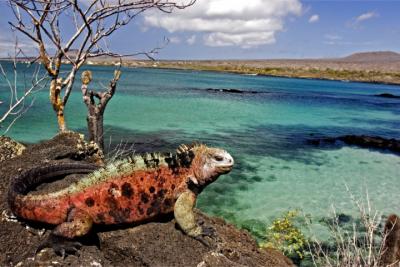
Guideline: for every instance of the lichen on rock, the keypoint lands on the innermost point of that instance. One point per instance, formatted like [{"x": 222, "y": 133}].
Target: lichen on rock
[{"x": 10, "y": 148}]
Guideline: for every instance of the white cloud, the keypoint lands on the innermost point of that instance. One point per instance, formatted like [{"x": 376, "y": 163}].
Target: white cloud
[
  {"x": 333, "y": 37},
  {"x": 245, "y": 40},
  {"x": 349, "y": 43},
  {"x": 191, "y": 40},
  {"x": 174, "y": 40},
  {"x": 366, "y": 16},
  {"x": 314, "y": 18},
  {"x": 229, "y": 22},
  {"x": 8, "y": 43},
  {"x": 356, "y": 22}
]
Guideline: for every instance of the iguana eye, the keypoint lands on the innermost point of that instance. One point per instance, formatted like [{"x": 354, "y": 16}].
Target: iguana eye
[{"x": 218, "y": 158}]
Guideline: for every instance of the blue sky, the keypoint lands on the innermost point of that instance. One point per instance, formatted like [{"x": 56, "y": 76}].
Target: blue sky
[{"x": 257, "y": 29}]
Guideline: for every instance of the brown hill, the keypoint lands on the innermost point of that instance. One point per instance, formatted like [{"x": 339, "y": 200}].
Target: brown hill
[{"x": 379, "y": 56}]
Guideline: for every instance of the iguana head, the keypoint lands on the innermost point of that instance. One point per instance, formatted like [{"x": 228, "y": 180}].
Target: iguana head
[{"x": 207, "y": 163}]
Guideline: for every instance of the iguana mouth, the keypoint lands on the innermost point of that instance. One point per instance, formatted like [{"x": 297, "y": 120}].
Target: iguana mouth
[
  {"x": 227, "y": 164},
  {"x": 225, "y": 168}
]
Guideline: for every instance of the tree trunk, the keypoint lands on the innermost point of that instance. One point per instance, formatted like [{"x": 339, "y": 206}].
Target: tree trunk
[
  {"x": 95, "y": 126},
  {"x": 62, "y": 127},
  {"x": 56, "y": 101},
  {"x": 95, "y": 115}
]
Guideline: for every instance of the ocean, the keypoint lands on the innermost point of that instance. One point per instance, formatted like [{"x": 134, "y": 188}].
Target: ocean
[{"x": 267, "y": 131}]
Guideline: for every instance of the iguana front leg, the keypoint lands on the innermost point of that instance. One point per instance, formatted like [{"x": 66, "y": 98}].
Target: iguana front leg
[{"x": 184, "y": 215}]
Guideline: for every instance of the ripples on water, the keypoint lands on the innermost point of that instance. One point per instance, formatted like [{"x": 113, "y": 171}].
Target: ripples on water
[{"x": 276, "y": 168}]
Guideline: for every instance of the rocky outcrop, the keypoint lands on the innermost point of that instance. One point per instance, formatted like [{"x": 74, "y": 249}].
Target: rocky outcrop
[
  {"x": 158, "y": 243},
  {"x": 161, "y": 244},
  {"x": 373, "y": 142},
  {"x": 387, "y": 95}
]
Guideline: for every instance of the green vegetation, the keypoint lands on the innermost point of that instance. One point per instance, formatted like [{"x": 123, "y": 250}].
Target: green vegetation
[{"x": 285, "y": 236}]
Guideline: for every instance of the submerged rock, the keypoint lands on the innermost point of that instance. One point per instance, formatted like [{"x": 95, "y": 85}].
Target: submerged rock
[
  {"x": 232, "y": 91},
  {"x": 340, "y": 219},
  {"x": 387, "y": 95},
  {"x": 373, "y": 142},
  {"x": 158, "y": 243}
]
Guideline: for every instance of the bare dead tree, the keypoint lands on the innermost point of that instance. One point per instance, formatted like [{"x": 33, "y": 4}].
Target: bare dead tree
[
  {"x": 43, "y": 21},
  {"x": 19, "y": 97},
  {"x": 96, "y": 108}
]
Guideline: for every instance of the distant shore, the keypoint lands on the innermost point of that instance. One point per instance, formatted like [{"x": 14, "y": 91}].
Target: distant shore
[
  {"x": 368, "y": 68},
  {"x": 306, "y": 70},
  {"x": 381, "y": 72}
]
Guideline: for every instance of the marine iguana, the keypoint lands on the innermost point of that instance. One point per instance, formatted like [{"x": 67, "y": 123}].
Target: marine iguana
[{"x": 129, "y": 191}]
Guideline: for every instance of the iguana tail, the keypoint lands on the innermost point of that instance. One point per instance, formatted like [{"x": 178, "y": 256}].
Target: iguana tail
[{"x": 21, "y": 184}]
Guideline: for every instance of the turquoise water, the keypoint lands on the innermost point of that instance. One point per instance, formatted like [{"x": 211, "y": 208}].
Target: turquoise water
[{"x": 276, "y": 168}]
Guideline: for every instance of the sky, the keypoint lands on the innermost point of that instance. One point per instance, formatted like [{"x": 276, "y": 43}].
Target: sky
[{"x": 253, "y": 29}]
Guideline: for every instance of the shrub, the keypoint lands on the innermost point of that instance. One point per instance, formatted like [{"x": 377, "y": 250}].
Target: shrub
[{"x": 285, "y": 236}]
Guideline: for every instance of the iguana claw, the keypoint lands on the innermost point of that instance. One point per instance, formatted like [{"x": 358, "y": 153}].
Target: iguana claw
[
  {"x": 61, "y": 245},
  {"x": 207, "y": 231}
]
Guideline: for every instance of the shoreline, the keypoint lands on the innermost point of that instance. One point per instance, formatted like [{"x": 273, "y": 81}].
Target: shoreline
[
  {"x": 290, "y": 73},
  {"x": 268, "y": 75}
]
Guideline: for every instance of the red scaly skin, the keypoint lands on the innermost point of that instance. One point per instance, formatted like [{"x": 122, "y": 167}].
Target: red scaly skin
[
  {"x": 131, "y": 198},
  {"x": 134, "y": 191}
]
